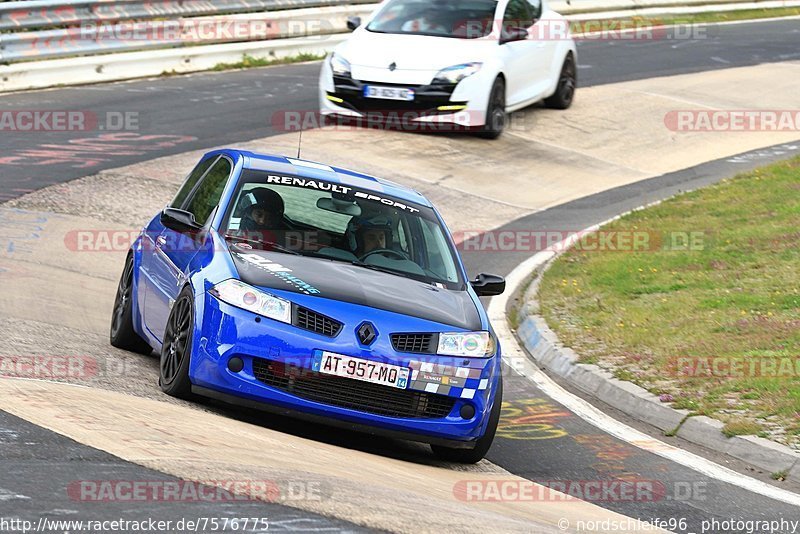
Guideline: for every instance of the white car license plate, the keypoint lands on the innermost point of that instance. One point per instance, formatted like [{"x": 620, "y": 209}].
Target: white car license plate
[
  {"x": 389, "y": 93},
  {"x": 359, "y": 369}
]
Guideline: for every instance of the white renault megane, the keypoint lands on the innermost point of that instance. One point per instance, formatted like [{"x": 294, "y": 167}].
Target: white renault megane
[{"x": 463, "y": 63}]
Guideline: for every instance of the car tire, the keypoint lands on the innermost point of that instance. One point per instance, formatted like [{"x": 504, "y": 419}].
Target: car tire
[
  {"x": 122, "y": 334},
  {"x": 176, "y": 351},
  {"x": 472, "y": 456},
  {"x": 567, "y": 82},
  {"x": 495, "y": 111}
]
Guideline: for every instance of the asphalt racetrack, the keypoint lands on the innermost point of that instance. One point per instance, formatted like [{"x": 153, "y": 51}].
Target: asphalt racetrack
[{"x": 183, "y": 113}]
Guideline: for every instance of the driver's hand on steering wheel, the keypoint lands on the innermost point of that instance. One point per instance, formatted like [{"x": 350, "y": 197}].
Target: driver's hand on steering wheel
[{"x": 386, "y": 252}]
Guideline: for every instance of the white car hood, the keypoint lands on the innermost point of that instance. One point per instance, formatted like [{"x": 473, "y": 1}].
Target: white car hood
[{"x": 411, "y": 52}]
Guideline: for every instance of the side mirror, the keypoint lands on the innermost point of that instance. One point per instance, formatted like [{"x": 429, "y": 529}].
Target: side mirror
[
  {"x": 512, "y": 34},
  {"x": 489, "y": 285},
  {"x": 179, "y": 220},
  {"x": 353, "y": 23}
]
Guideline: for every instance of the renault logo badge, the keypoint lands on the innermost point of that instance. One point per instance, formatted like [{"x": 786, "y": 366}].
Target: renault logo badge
[{"x": 366, "y": 333}]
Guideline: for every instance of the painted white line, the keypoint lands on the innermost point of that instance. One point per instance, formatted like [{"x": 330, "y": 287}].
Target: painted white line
[
  {"x": 672, "y": 97},
  {"x": 6, "y": 495},
  {"x": 517, "y": 359}
]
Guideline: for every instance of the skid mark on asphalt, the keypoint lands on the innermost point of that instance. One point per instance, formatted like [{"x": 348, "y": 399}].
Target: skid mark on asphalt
[{"x": 89, "y": 152}]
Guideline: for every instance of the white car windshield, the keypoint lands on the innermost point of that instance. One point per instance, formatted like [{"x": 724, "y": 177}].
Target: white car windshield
[{"x": 469, "y": 19}]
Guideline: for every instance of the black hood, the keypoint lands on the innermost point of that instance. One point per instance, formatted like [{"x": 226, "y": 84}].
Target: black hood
[{"x": 357, "y": 285}]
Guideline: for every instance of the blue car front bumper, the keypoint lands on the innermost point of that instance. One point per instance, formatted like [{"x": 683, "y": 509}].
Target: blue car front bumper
[{"x": 447, "y": 400}]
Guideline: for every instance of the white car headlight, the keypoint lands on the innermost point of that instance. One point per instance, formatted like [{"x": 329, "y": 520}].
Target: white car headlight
[
  {"x": 248, "y": 298},
  {"x": 456, "y": 73},
  {"x": 469, "y": 344},
  {"x": 339, "y": 65}
]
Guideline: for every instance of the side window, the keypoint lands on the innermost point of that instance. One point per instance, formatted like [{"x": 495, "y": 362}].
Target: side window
[
  {"x": 435, "y": 243},
  {"x": 517, "y": 15},
  {"x": 191, "y": 181},
  {"x": 536, "y": 9},
  {"x": 207, "y": 195}
]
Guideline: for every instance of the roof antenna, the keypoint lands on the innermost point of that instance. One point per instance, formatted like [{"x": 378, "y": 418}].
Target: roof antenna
[{"x": 299, "y": 142}]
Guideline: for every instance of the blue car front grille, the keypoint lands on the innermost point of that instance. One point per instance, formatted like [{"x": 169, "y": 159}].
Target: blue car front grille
[
  {"x": 351, "y": 394},
  {"x": 316, "y": 322},
  {"x": 415, "y": 343}
]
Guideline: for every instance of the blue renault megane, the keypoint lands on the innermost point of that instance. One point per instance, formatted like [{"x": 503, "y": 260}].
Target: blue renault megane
[{"x": 319, "y": 293}]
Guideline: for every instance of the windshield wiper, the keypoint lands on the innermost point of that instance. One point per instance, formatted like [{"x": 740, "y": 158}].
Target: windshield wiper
[
  {"x": 387, "y": 270},
  {"x": 359, "y": 263},
  {"x": 272, "y": 245}
]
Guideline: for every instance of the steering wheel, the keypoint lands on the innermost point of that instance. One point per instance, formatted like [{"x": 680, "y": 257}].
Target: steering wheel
[{"x": 395, "y": 253}]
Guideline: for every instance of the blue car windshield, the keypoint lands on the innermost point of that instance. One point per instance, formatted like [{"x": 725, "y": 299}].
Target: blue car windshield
[
  {"x": 465, "y": 19},
  {"x": 330, "y": 221}
]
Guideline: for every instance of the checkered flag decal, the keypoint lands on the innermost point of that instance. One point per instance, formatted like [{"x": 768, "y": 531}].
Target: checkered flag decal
[{"x": 461, "y": 382}]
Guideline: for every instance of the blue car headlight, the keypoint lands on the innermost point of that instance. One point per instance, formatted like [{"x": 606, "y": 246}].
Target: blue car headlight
[
  {"x": 456, "y": 73},
  {"x": 468, "y": 344},
  {"x": 241, "y": 295}
]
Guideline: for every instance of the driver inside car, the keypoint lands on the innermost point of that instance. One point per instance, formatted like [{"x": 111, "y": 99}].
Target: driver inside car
[
  {"x": 425, "y": 22},
  {"x": 373, "y": 239},
  {"x": 371, "y": 235},
  {"x": 263, "y": 220}
]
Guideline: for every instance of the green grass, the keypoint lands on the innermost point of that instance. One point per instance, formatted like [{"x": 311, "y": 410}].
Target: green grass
[
  {"x": 780, "y": 476},
  {"x": 741, "y": 428},
  {"x": 724, "y": 16},
  {"x": 514, "y": 318},
  {"x": 736, "y": 300},
  {"x": 249, "y": 62},
  {"x": 696, "y": 18}
]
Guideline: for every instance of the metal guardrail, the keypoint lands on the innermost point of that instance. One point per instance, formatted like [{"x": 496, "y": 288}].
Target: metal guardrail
[
  {"x": 87, "y": 27},
  {"x": 40, "y": 14},
  {"x": 47, "y": 29}
]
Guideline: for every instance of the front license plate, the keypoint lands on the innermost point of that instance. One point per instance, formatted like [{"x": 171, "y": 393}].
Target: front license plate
[
  {"x": 389, "y": 93},
  {"x": 330, "y": 363}
]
